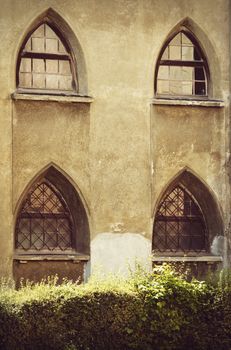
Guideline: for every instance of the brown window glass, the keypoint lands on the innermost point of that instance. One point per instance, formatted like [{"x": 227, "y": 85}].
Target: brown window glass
[
  {"x": 45, "y": 63},
  {"x": 182, "y": 68},
  {"x": 179, "y": 224},
  {"x": 44, "y": 222}
]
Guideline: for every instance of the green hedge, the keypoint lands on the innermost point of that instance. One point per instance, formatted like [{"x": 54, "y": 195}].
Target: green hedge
[{"x": 156, "y": 311}]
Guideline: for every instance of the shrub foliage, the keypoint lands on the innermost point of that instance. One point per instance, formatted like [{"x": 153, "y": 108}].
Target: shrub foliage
[{"x": 151, "y": 311}]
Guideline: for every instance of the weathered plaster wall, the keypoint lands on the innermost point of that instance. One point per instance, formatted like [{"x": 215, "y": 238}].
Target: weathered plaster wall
[
  {"x": 189, "y": 137},
  {"x": 110, "y": 148},
  {"x": 50, "y": 132},
  {"x": 6, "y": 236}
]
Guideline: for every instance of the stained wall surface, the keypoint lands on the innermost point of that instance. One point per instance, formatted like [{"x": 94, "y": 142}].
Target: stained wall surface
[{"x": 122, "y": 150}]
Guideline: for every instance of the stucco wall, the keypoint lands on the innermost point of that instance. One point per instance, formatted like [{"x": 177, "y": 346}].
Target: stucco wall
[
  {"x": 120, "y": 151},
  {"x": 189, "y": 137}
]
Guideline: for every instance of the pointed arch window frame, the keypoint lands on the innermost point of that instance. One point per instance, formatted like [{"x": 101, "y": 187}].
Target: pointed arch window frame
[
  {"x": 203, "y": 63},
  {"x": 69, "y": 56},
  {"x": 177, "y": 252}
]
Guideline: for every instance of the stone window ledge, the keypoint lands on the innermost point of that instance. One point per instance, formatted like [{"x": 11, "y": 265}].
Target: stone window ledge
[
  {"x": 204, "y": 258},
  {"x": 187, "y": 102},
  {"x": 51, "y": 97},
  {"x": 23, "y": 258}
]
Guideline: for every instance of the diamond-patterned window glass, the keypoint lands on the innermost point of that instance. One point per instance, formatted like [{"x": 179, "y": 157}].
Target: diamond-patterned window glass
[
  {"x": 45, "y": 63},
  {"x": 179, "y": 224},
  {"x": 182, "y": 68},
  {"x": 44, "y": 222}
]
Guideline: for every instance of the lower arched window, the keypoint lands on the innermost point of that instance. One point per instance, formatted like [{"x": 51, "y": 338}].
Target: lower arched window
[
  {"x": 179, "y": 224},
  {"x": 44, "y": 223}
]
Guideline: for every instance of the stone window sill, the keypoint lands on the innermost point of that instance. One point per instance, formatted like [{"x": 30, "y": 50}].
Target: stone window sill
[
  {"x": 204, "y": 258},
  {"x": 23, "y": 258},
  {"x": 187, "y": 102},
  {"x": 63, "y": 98}
]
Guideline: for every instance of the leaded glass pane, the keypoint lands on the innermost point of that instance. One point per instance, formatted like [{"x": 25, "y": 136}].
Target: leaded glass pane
[
  {"x": 44, "y": 222},
  {"x": 45, "y": 62},
  {"x": 181, "y": 70},
  {"x": 179, "y": 224}
]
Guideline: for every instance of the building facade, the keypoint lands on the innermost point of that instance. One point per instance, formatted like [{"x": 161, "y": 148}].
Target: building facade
[{"x": 115, "y": 135}]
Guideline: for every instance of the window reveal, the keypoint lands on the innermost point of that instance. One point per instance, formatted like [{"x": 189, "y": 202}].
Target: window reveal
[{"x": 179, "y": 224}]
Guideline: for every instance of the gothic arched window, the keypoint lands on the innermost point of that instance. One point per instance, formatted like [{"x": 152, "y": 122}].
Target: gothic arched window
[
  {"x": 179, "y": 224},
  {"x": 44, "y": 223},
  {"x": 45, "y": 62},
  {"x": 182, "y": 69}
]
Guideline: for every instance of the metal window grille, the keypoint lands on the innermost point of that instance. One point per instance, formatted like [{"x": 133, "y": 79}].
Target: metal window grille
[
  {"x": 182, "y": 68},
  {"x": 179, "y": 224},
  {"x": 44, "y": 222},
  {"x": 45, "y": 63}
]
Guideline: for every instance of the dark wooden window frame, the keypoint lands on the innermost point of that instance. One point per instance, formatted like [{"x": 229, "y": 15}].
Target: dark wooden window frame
[
  {"x": 179, "y": 63},
  {"x": 66, "y": 57}
]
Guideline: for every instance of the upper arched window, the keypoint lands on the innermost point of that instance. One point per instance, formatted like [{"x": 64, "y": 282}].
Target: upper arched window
[
  {"x": 179, "y": 224},
  {"x": 45, "y": 62},
  {"x": 182, "y": 68}
]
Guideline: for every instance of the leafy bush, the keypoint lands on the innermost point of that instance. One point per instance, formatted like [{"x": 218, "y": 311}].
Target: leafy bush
[{"x": 158, "y": 310}]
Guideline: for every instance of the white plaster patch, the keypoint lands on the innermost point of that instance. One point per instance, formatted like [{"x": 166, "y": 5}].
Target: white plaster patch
[
  {"x": 86, "y": 271},
  {"x": 118, "y": 253},
  {"x": 217, "y": 247}
]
